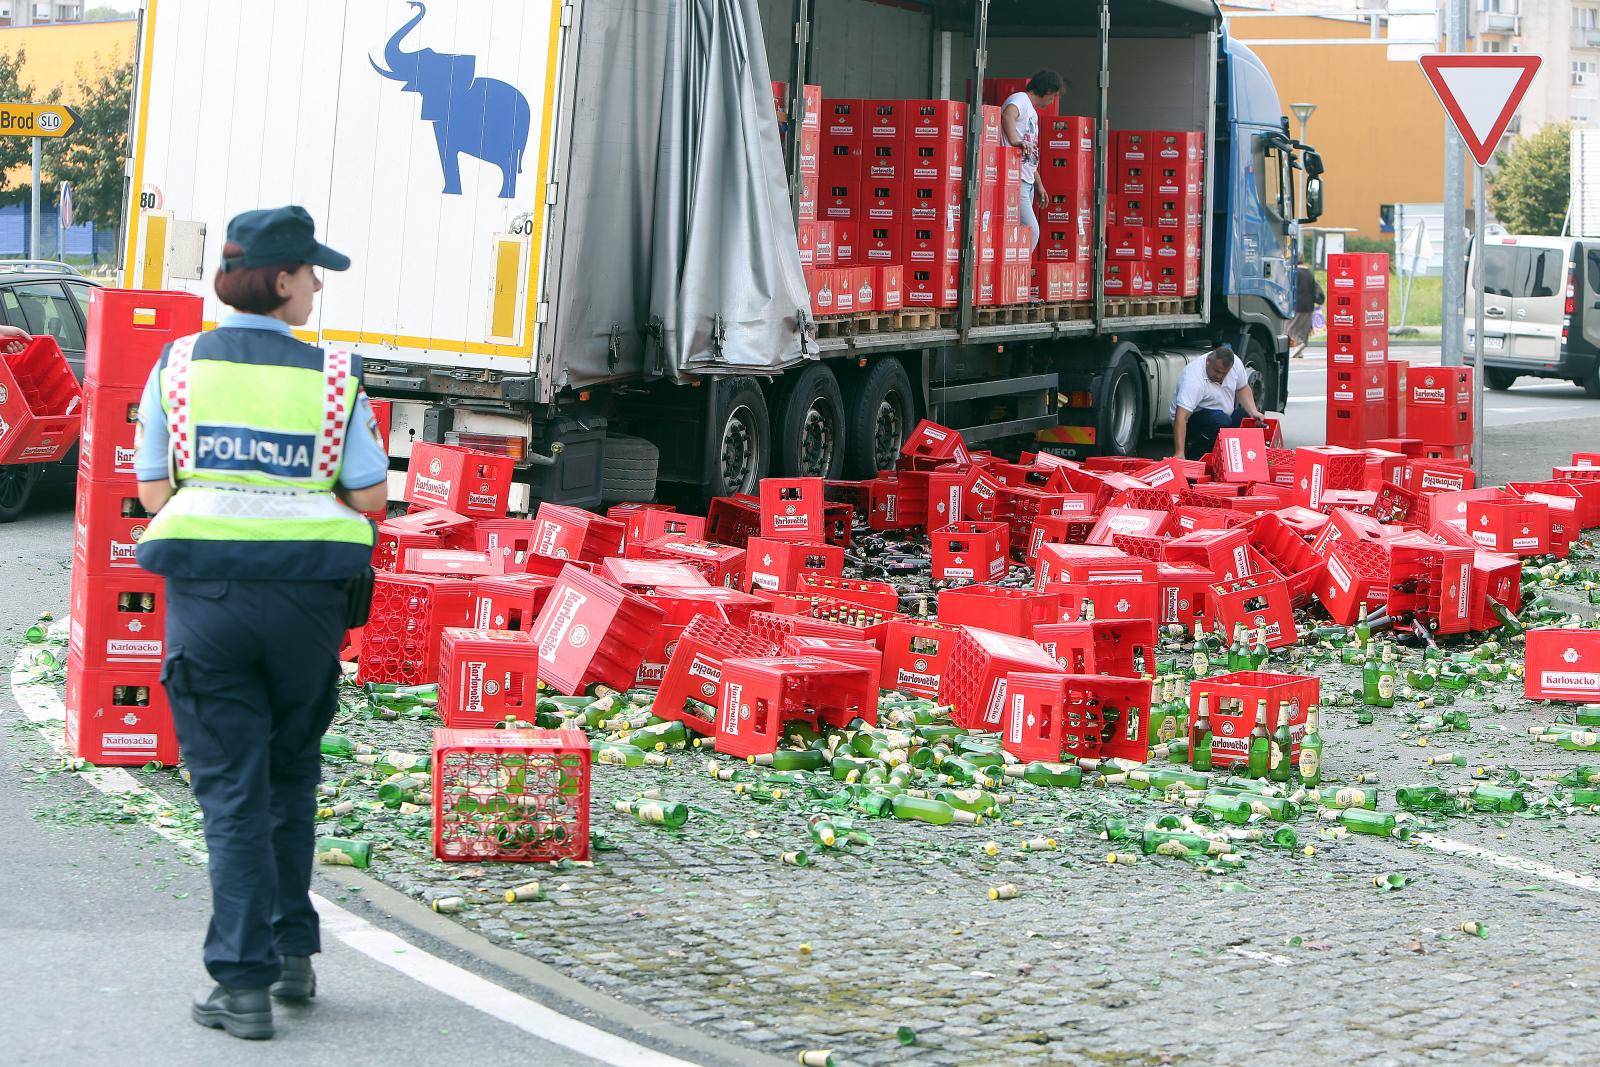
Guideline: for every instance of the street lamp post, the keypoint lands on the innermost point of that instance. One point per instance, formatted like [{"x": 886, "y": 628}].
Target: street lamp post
[{"x": 1302, "y": 112}]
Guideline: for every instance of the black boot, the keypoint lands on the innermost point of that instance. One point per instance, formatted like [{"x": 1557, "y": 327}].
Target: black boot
[
  {"x": 299, "y": 981},
  {"x": 245, "y": 1013}
]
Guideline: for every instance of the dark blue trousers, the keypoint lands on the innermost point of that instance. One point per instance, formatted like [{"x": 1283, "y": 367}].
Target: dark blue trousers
[
  {"x": 252, "y": 671},
  {"x": 1204, "y": 425}
]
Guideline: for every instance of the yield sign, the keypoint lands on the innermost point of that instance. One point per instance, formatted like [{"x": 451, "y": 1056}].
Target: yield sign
[{"x": 1480, "y": 92}]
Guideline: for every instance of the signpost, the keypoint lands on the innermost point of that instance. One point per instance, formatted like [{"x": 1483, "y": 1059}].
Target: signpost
[
  {"x": 37, "y": 121},
  {"x": 1480, "y": 92}
]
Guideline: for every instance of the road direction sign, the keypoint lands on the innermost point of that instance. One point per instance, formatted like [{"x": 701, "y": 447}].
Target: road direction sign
[
  {"x": 36, "y": 120},
  {"x": 1480, "y": 92}
]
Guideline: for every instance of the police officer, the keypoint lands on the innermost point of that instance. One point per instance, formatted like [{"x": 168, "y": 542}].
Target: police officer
[{"x": 256, "y": 454}]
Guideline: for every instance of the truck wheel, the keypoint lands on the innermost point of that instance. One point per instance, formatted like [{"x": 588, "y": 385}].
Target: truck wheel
[
  {"x": 1122, "y": 418},
  {"x": 1499, "y": 378},
  {"x": 743, "y": 439},
  {"x": 881, "y": 415},
  {"x": 16, "y": 488},
  {"x": 811, "y": 432},
  {"x": 630, "y": 469},
  {"x": 1263, "y": 376}
]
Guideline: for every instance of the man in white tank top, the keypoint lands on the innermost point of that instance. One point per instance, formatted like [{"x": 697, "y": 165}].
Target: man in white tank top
[{"x": 1019, "y": 125}]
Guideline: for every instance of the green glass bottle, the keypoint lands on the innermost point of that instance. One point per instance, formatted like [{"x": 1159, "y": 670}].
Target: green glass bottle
[
  {"x": 402, "y": 787},
  {"x": 344, "y": 852},
  {"x": 788, "y": 759},
  {"x": 341, "y": 747},
  {"x": 1363, "y": 627},
  {"x": 1229, "y": 808},
  {"x": 1152, "y": 842},
  {"x": 1373, "y": 823},
  {"x": 1200, "y": 660},
  {"x": 1369, "y": 677},
  {"x": 1310, "y": 763},
  {"x": 1200, "y": 758},
  {"x": 660, "y": 736},
  {"x": 932, "y": 811},
  {"x": 1258, "y": 758},
  {"x": 1497, "y": 798},
  {"x": 820, "y": 827},
  {"x": 654, "y": 812},
  {"x": 1056, "y": 775},
  {"x": 1280, "y": 766},
  {"x": 1420, "y": 797},
  {"x": 977, "y": 801}
]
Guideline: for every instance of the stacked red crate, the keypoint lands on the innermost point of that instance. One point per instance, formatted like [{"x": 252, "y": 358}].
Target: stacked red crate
[
  {"x": 116, "y": 710},
  {"x": 1154, "y": 214},
  {"x": 1064, "y": 256},
  {"x": 1361, "y": 402}
]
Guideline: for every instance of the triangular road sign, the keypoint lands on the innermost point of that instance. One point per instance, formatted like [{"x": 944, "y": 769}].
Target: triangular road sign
[{"x": 1480, "y": 92}]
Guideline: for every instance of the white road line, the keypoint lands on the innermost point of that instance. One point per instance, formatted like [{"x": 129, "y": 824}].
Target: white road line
[
  {"x": 1520, "y": 864},
  {"x": 42, "y": 705}
]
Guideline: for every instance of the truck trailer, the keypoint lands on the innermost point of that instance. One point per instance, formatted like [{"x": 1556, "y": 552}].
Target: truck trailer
[{"x": 574, "y": 224}]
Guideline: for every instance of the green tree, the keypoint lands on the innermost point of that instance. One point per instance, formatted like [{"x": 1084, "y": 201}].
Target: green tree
[
  {"x": 92, "y": 156},
  {"x": 1529, "y": 192},
  {"x": 14, "y": 151},
  {"x": 104, "y": 13}
]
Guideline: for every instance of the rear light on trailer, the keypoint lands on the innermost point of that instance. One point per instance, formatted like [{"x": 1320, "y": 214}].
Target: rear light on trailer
[{"x": 495, "y": 444}]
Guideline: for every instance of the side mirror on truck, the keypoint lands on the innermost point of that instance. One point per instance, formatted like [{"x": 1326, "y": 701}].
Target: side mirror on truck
[{"x": 1313, "y": 200}]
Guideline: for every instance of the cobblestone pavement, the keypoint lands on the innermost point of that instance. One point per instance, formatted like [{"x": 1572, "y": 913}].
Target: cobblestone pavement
[{"x": 1292, "y": 958}]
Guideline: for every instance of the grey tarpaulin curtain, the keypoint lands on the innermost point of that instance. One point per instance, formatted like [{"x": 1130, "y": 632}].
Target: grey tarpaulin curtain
[
  {"x": 724, "y": 240},
  {"x": 675, "y": 202}
]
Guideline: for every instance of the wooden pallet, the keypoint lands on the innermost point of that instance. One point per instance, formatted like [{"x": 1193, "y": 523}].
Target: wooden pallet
[
  {"x": 1143, "y": 308},
  {"x": 916, "y": 319},
  {"x": 855, "y": 325}
]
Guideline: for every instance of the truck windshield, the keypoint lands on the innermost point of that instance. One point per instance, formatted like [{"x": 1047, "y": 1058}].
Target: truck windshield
[{"x": 1521, "y": 271}]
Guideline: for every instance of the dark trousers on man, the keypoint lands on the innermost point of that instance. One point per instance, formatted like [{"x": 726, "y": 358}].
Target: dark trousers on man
[
  {"x": 1204, "y": 425},
  {"x": 252, "y": 671}
]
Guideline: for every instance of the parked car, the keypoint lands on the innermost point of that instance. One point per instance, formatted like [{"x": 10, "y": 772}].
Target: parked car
[
  {"x": 1541, "y": 310},
  {"x": 42, "y": 297}
]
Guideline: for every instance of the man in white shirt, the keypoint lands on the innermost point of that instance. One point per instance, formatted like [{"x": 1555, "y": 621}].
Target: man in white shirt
[
  {"x": 1019, "y": 126},
  {"x": 1213, "y": 394}
]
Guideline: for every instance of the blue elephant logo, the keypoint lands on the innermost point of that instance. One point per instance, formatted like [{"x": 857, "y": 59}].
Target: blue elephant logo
[{"x": 486, "y": 118}]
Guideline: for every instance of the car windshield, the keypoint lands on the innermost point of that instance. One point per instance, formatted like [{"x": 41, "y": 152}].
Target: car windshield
[{"x": 44, "y": 308}]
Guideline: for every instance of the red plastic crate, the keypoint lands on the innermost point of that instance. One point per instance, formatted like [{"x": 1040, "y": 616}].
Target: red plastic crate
[
  {"x": 592, "y": 630},
  {"x": 793, "y": 509},
  {"x": 1563, "y": 665},
  {"x": 1432, "y": 581},
  {"x": 110, "y": 426},
  {"x": 108, "y": 523},
  {"x": 1318, "y": 469},
  {"x": 569, "y": 533},
  {"x": 1126, "y": 649},
  {"x": 1567, "y": 505},
  {"x": 694, "y": 669},
  {"x": 931, "y": 445},
  {"x": 760, "y": 693},
  {"x": 1052, "y": 715},
  {"x": 509, "y": 601},
  {"x": 485, "y": 677},
  {"x": 1226, "y": 553},
  {"x": 719, "y": 564},
  {"x": 1120, "y": 601},
  {"x": 118, "y": 716},
  {"x": 915, "y": 655},
  {"x": 1437, "y": 476},
  {"x": 1185, "y": 594},
  {"x": 974, "y": 551},
  {"x": 429, "y": 528},
  {"x": 457, "y": 562},
  {"x": 867, "y": 593},
  {"x": 128, "y": 328},
  {"x": 1233, "y": 701},
  {"x": 510, "y": 796},
  {"x": 771, "y": 564},
  {"x": 400, "y": 643},
  {"x": 1510, "y": 525},
  {"x": 40, "y": 404},
  {"x": 1290, "y": 554},
  {"x": 1357, "y": 573},
  {"x": 1065, "y": 529},
  {"x": 975, "y": 679},
  {"x": 1358, "y": 272},
  {"x": 838, "y": 650},
  {"x": 1062, "y": 564},
  {"x": 733, "y": 520},
  {"x": 1002, "y": 609},
  {"x": 1243, "y": 455},
  {"x": 677, "y": 613},
  {"x": 472, "y": 483},
  {"x": 647, "y": 524},
  {"x": 118, "y": 619},
  {"x": 1259, "y": 602},
  {"x": 644, "y": 575}
]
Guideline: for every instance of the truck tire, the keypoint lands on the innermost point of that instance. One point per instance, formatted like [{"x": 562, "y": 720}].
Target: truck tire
[
  {"x": 882, "y": 412},
  {"x": 742, "y": 443},
  {"x": 629, "y": 471},
  {"x": 1263, "y": 375},
  {"x": 1122, "y": 406},
  {"x": 16, "y": 489},
  {"x": 811, "y": 425},
  {"x": 1591, "y": 384},
  {"x": 1499, "y": 378}
]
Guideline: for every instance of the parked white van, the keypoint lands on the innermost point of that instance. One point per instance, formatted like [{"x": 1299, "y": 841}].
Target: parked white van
[{"x": 1541, "y": 308}]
